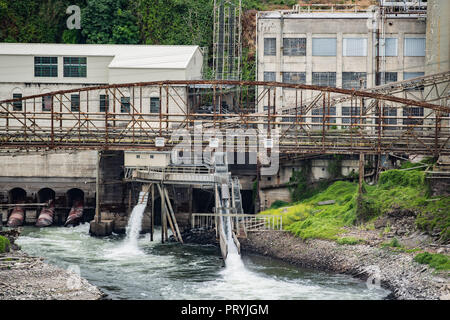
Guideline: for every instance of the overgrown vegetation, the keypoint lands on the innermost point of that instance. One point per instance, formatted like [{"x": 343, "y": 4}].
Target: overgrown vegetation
[
  {"x": 394, "y": 243},
  {"x": 4, "y": 244},
  {"x": 395, "y": 189},
  {"x": 435, "y": 260},
  {"x": 278, "y": 204},
  {"x": 162, "y": 22},
  {"x": 349, "y": 241}
]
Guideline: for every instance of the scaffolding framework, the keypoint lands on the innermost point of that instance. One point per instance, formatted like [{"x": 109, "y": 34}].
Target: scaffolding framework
[{"x": 227, "y": 43}]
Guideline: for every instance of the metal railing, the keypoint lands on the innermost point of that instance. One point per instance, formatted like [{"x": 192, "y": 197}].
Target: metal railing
[{"x": 247, "y": 222}]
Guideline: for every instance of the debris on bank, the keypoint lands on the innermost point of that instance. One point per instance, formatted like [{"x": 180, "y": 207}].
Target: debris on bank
[{"x": 23, "y": 277}]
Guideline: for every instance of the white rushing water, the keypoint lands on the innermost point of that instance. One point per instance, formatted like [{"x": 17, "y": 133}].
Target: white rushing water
[
  {"x": 233, "y": 262},
  {"x": 133, "y": 230},
  {"x": 175, "y": 271}
]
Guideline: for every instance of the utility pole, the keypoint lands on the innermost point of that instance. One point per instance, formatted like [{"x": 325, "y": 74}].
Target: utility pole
[{"x": 97, "y": 190}]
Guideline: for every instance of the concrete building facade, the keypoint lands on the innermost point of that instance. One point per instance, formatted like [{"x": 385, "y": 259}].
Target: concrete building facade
[
  {"x": 337, "y": 49},
  {"x": 349, "y": 49},
  {"x": 34, "y": 69}
]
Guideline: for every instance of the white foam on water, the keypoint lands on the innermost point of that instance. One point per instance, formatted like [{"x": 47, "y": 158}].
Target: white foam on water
[{"x": 130, "y": 246}]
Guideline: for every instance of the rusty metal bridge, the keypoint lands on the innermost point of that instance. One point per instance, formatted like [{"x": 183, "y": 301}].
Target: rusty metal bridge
[{"x": 410, "y": 116}]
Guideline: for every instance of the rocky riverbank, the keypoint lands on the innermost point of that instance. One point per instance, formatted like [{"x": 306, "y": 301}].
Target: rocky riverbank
[
  {"x": 393, "y": 270},
  {"x": 29, "y": 278}
]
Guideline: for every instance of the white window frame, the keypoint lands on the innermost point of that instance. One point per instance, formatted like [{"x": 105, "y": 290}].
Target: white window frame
[
  {"x": 345, "y": 51},
  {"x": 324, "y": 55},
  {"x": 405, "y": 47}
]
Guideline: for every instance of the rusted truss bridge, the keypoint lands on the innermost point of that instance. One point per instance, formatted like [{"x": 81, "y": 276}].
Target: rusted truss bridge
[{"x": 404, "y": 117}]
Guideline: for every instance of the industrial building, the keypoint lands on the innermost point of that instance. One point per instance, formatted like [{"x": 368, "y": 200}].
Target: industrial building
[
  {"x": 344, "y": 47},
  {"x": 348, "y": 47},
  {"x": 35, "y": 69}
]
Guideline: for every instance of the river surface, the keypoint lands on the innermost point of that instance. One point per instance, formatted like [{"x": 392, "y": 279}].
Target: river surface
[{"x": 152, "y": 270}]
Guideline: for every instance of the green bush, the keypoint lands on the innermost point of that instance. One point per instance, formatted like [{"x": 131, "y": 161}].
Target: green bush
[
  {"x": 435, "y": 260},
  {"x": 349, "y": 241},
  {"x": 396, "y": 189},
  {"x": 395, "y": 178},
  {"x": 278, "y": 204},
  {"x": 4, "y": 244}
]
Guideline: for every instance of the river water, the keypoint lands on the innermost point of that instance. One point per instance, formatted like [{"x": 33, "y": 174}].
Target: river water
[{"x": 152, "y": 270}]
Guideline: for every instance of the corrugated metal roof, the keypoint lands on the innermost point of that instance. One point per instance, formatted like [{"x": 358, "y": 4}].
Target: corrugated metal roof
[{"x": 124, "y": 56}]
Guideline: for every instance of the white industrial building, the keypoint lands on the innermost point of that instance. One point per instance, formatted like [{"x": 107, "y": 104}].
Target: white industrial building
[
  {"x": 34, "y": 68},
  {"x": 339, "y": 48}
]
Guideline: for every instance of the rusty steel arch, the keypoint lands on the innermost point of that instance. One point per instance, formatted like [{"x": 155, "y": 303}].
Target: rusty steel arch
[{"x": 306, "y": 117}]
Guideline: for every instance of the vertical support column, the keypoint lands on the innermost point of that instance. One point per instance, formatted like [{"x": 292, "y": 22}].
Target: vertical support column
[
  {"x": 52, "y": 133},
  {"x": 190, "y": 197},
  {"x": 258, "y": 178},
  {"x": 163, "y": 216},
  {"x": 152, "y": 219},
  {"x": 361, "y": 173},
  {"x": 167, "y": 107},
  {"x": 437, "y": 120},
  {"x": 97, "y": 190}
]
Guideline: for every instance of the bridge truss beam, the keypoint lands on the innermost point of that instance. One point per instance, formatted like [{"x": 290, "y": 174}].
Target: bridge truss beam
[{"x": 305, "y": 117}]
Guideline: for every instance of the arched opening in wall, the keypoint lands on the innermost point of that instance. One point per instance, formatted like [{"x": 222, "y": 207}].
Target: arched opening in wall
[
  {"x": 76, "y": 214},
  {"x": 45, "y": 194},
  {"x": 248, "y": 204},
  {"x": 17, "y": 195},
  {"x": 74, "y": 195}
]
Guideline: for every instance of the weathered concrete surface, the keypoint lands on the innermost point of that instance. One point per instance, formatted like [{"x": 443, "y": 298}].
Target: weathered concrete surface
[{"x": 101, "y": 229}]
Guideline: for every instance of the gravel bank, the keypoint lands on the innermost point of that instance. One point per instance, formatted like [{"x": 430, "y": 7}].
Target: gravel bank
[
  {"x": 395, "y": 271},
  {"x": 29, "y": 278}
]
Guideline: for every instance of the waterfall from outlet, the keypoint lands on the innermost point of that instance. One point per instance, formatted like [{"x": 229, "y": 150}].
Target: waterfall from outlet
[
  {"x": 134, "y": 226},
  {"x": 233, "y": 260}
]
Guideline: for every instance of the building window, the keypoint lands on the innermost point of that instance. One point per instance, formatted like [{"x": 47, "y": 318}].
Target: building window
[
  {"x": 319, "y": 112},
  {"x": 269, "y": 76},
  {"x": 294, "y": 77},
  {"x": 414, "y": 47},
  {"x": 324, "y": 47},
  {"x": 414, "y": 114},
  {"x": 389, "y": 49},
  {"x": 354, "y": 80},
  {"x": 75, "y": 102},
  {"x": 390, "y": 112},
  {"x": 138, "y": 156},
  {"x": 355, "y": 47},
  {"x": 17, "y": 105},
  {"x": 45, "y": 66},
  {"x": 348, "y": 113},
  {"x": 47, "y": 102},
  {"x": 411, "y": 75},
  {"x": 125, "y": 104},
  {"x": 325, "y": 79},
  {"x": 154, "y": 105},
  {"x": 270, "y": 46},
  {"x": 75, "y": 67},
  {"x": 388, "y": 78},
  {"x": 294, "y": 46},
  {"x": 104, "y": 103}
]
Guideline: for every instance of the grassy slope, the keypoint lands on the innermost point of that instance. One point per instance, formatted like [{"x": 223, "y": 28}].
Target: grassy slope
[
  {"x": 4, "y": 243},
  {"x": 400, "y": 189}
]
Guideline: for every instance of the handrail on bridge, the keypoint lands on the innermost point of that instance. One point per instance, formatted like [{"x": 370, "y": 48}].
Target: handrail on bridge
[{"x": 248, "y": 222}]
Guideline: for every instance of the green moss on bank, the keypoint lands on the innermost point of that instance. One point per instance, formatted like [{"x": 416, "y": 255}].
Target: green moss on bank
[
  {"x": 435, "y": 260},
  {"x": 4, "y": 244},
  {"x": 395, "y": 189}
]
